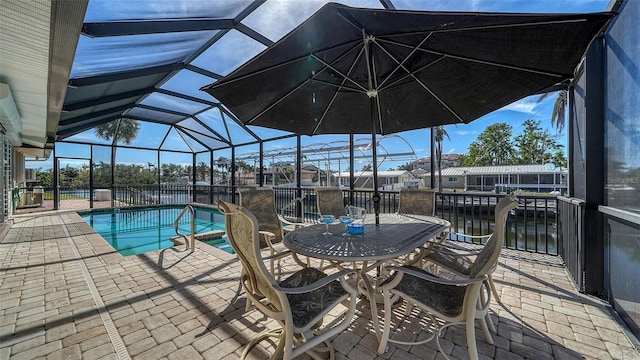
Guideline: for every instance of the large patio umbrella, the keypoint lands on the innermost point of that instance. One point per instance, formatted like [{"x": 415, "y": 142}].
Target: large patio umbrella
[{"x": 352, "y": 70}]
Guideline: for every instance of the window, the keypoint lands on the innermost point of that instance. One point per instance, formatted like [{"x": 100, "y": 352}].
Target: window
[{"x": 453, "y": 179}]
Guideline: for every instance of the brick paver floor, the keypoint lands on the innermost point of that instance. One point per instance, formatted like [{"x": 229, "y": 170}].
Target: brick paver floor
[{"x": 65, "y": 294}]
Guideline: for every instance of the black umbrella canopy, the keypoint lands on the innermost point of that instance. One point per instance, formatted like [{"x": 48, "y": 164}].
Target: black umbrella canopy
[
  {"x": 344, "y": 67},
  {"x": 349, "y": 70}
]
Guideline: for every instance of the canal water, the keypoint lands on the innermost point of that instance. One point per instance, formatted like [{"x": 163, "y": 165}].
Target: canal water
[{"x": 523, "y": 233}]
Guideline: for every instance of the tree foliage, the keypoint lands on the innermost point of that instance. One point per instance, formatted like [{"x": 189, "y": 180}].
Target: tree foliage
[
  {"x": 243, "y": 166},
  {"x": 68, "y": 175},
  {"x": 559, "y": 109},
  {"x": 536, "y": 145},
  {"x": 408, "y": 166},
  {"x": 496, "y": 145},
  {"x": 127, "y": 130},
  {"x": 45, "y": 177},
  {"x": 492, "y": 147},
  {"x": 125, "y": 174},
  {"x": 439, "y": 134},
  {"x": 202, "y": 169}
]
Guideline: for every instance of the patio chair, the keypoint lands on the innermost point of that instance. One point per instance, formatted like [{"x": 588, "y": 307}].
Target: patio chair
[
  {"x": 414, "y": 203},
  {"x": 261, "y": 202},
  {"x": 298, "y": 303},
  {"x": 330, "y": 201},
  {"x": 292, "y": 215},
  {"x": 461, "y": 261},
  {"x": 462, "y": 300},
  {"x": 417, "y": 202},
  {"x": 451, "y": 301}
]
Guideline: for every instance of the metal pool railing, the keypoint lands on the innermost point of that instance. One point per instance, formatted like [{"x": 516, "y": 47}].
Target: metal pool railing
[{"x": 170, "y": 194}]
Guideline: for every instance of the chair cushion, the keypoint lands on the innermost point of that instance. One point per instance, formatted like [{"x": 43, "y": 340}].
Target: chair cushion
[
  {"x": 305, "y": 307},
  {"x": 416, "y": 202},
  {"x": 455, "y": 263},
  {"x": 445, "y": 299},
  {"x": 330, "y": 201}
]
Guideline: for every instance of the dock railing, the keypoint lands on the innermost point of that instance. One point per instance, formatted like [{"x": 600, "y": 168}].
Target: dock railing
[{"x": 531, "y": 227}]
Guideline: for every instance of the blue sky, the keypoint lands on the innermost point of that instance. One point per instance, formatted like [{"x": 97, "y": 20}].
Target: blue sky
[
  {"x": 461, "y": 136},
  {"x": 516, "y": 113},
  {"x": 417, "y": 141}
]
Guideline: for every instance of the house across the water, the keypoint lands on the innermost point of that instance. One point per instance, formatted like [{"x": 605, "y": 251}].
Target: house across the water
[
  {"x": 387, "y": 180},
  {"x": 504, "y": 178}
]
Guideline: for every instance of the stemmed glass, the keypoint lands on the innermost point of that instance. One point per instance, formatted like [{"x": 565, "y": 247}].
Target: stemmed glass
[
  {"x": 326, "y": 220},
  {"x": 346, "y": 220}
]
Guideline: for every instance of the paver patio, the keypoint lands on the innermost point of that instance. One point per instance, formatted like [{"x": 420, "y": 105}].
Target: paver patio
[
  {"x": 65, "y": 294},
  {"x": 73, "y": 204}
]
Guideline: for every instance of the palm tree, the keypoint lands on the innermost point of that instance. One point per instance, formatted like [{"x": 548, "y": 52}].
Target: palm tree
[
  {"x": 439, "y": 134},
  {"x": 202, "y": 169},
  {"x": 223, "y": 164},
  {"x": 127, "y": 130},
  {"x": 559, "y": 108},
  {"x": 243, "y": 166}
]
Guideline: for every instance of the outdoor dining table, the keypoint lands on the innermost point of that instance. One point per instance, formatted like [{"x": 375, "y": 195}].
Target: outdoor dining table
[{"x": 394, "y": 237}]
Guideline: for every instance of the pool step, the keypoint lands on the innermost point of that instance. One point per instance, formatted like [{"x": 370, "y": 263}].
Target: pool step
[{"x": 204, "y": 236}]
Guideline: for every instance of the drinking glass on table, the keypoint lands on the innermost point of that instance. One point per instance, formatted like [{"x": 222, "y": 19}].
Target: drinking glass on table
[
  {"x": 346, "y": 220},
  {"x": 358, "y": 214},
  {"x": 326, "y": 220}
]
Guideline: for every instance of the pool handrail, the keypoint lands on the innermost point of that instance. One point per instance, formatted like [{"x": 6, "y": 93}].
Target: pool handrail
[{"x": 192, "y": 243}]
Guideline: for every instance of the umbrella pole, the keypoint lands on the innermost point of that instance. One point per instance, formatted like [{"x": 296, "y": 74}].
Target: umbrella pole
[{"x": 374, "y": 146}]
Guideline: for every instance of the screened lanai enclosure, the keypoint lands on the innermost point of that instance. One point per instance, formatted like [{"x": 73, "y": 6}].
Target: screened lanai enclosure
[
  {"x": 135, "y": 127},
  {"x": 136, "y": 122},
  {"x": 146, "y": 74},
  {"x": 168, "y": 175}
]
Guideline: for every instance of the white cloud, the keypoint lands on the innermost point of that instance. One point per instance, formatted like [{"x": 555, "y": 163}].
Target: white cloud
[
  {"x": 526, "y": 105},
  {"x": 465, "y": 132}
]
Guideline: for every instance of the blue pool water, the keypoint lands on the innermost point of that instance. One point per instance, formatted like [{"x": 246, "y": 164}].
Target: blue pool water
[
  {"x": 136, "y": 231},
  {"x": 222, "y": 244}
]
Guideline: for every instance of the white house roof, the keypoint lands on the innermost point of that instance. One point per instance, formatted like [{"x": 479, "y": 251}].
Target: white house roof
[
  {"x": 381, "y": 173},
  {"x": 502, "y": 169}
]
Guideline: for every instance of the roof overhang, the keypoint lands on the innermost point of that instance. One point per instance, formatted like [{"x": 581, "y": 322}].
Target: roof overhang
[{"x": 38, "y": 43}]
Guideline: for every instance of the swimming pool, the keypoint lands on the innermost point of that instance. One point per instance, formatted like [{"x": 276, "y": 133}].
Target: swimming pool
[{"x": 139, "y": 230}]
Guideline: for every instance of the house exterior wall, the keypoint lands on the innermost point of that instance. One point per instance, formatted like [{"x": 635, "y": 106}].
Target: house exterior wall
[
  {"x": 506, "y": 182},
  {"x": 453, "y": 181},
  {"x": 387, "y": 180}
]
